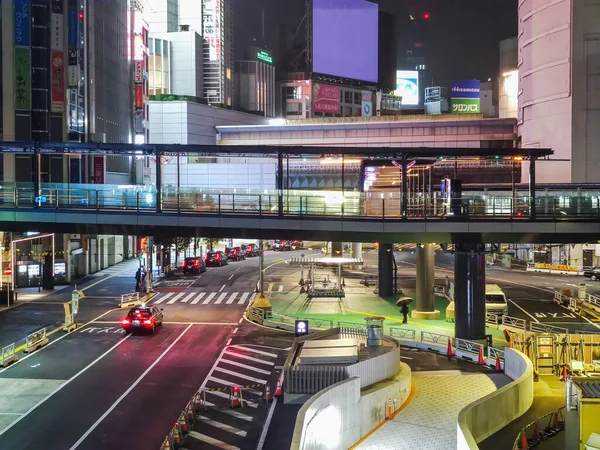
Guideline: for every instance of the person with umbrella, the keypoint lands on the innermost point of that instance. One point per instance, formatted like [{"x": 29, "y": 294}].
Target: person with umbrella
[{"x": 403, "y": 302}]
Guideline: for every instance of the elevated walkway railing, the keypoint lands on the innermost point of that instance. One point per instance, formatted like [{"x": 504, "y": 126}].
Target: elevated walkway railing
[{"x": 573, "y": 205}]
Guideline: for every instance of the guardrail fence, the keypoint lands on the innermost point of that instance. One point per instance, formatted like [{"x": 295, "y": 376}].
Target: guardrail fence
[
  {"x": 35, "y": 340},
  {"x": 8, "y": 355},
  {"x": 130, "y": 300}
]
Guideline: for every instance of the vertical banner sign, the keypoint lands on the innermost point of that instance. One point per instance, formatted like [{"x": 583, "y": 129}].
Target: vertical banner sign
[
  {"x": 73, "y": 68},
  {"x": 98, "y": 169},
  {"x": 57, "y": 33},
  {"x": 22, "y": 23},
  {"x": 138, "y": 121},
  {"x": 22, "y": 79},
  {"x": 209, "y": 27},
  {"x": 367, "y": 103},
  {"x": 139, "y": 72},
  {"x": 139, "y": 97},
  {"x": 72, "y": 28},
  {"x": 466, "y": 97},
  {"x": 58, "y": 81}
]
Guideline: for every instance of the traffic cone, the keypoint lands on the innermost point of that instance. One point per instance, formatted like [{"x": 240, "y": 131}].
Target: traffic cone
[
  {"x": 166, "y": 445},
  {"x": 390, "y": 412},
  {"x": 450, "y": 351},
  {"x": 498, "y": 365},
  {"x": 235, "y": 397},
  {"x": 480, "y": 360},
  {"x": 191, "y": 414},
  {"x": 524, "y": 444},
  {"x": 183, "y": 424},
  {"x": 565, "y": 373},
  {"x": 268, "y": 396},
  {"x": 176, "y": 435},
  {"x": 198, "y": 402},
  {"x": 279, "y": 388}
]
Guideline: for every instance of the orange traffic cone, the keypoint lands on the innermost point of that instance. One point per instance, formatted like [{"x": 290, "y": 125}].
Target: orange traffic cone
[
  {"x": 524, "y": 444},
  {"x": 166, "y": 445},
  {"x": 450, "y": 351},
  {"x": 498, "y": 365},
  {"x": 565, "y": 373},
  {"x": 198, "y": 402},
  {"x": 191, "y": 414},
  {"x": 176, "y": 435},
  {"x": 480, "y": 360},
  {"x": 268, "y": 396},
  {"x": 235, "y": 397},
  {"x": 183, "y": 424},
  {"x": 279, "y": 388},
  {"x": 390, "y": 412}
]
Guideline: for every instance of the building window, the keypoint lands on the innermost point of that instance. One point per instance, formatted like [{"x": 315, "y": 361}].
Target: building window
[{"x": 292, "y": 92}]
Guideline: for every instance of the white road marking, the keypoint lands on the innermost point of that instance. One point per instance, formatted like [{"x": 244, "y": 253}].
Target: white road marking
[
  {"x": 243, "y": 298},
  {"x": 10, "y": 414},
  {"x": 270, "y": 288},
  {"x": 227, "y": 396},
  {"x": 241, "y": 319},
  {"x": 280, "y": 288},
  {"x": 163, "y": 298},
  {"x": 242, "y": 376},
  {"x": 249, "y": 358},
  {"x": 209, "y": 298},
  {"x": 245, "y": 366},
  {"x": 260, "y": 352},
  {"x": 234, "y": 413},
  {"x": 221, "y": 298},
  {"x": 263, "y": 434},
  {"x": 66, "y": 383},
  {"x": 522, "y": 309},
  {"x": 235, "y": 331},
  {"x": 174, "y": 299},
  {"x": 197, "y": 299},
  {"x": 222, "y": 426},
  {"x": 131, "y": 388},
  {"x": 185, "y": 300},
  {"x": 212, "y": 441},
  {"x": 405, "y": 357},
  {"x": 222, "y": 287},
  {"x": 228, "y": 342},
  {"x": 231, "y": 276},
  {"x": 231, "y": 299}
]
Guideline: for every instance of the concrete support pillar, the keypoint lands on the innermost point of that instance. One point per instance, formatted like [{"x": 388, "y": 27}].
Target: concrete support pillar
[
  {"x": 357, "y": 252},
  {"x": 469, "y": 291},
  {"x": 337, "y": 249},
  {"x": 425, "y": 282},
  {"x": 386, "y": 270}
]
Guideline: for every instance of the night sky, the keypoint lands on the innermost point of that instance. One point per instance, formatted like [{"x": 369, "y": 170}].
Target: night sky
[{"x": 464, "y": 35}]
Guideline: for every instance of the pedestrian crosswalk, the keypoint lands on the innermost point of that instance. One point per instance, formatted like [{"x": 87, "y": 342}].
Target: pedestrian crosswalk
[
  {"x": 204, "y": 298},
  {"x": 248, "y": 368}
]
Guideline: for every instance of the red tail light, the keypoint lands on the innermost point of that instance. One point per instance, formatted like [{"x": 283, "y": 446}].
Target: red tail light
[
  {"x": 218, "y": 256},
  {"x": 235, "y": 252},
  {"x": 184, "y": 264},
  {"x": 126, "y": 321},
  {"x": 519, "y": 214},
  {"x": 196, "y": 262},
  {"x": 148, "y": 322}
]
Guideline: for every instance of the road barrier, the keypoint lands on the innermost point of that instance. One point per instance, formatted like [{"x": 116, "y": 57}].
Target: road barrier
[
  {"x": 514, "y": 322},
  {"x": 8, "y": 355},
  {"x": 547, "y": 426},
  {"x": 35, "y": 340},
  {"x": 130, "y": 300},
  {"x": 538, "y": 327}
]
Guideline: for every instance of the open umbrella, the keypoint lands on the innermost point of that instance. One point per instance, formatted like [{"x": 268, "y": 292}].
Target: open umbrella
[{"x": 405, "y": 301}]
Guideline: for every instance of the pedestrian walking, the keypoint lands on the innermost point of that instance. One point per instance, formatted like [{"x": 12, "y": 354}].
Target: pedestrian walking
[
  {"x": 138, "y": 279},
  {"x": 404, "y": 311}
]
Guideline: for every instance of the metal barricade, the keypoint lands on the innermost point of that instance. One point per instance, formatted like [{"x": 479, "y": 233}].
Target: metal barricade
[
  {"x": 514, "y": 322},
  {"x": 465, "y": 346},
  {"x": 538, "y": 327},
  {"x": 492, "y": 352},
  {"x": 434, "y": 338},
  {"x": 402, "y": 334},
  {"x": 492, "y": 319},
  {"x": 320, "y": 323},
  {"x": 8, "y": 355},
  {"x": 352, "y": 328},
  {"x": 130, "y": 300},
  {"x": 35, "y": 340}
]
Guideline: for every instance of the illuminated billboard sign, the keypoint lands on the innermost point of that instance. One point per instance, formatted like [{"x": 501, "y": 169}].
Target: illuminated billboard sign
[
  {"x": 211, "y": 28},
  {"x": 264, "y": 57},
  {"x": 345, "y": 38},
  {"x": 466, "y": 97},
  {"x": 407, "y": 86}
]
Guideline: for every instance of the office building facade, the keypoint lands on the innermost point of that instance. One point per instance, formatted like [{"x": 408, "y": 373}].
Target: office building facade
[{"x": 255, "y": 83}]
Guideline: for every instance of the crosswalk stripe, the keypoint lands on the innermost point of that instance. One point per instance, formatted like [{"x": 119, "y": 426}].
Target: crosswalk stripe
[
  {"x": 221, "y": 298},
  {"x": 228, "y": 397},
  {"x": 197, "y": 299},
  {"x": 185, "y": 300},
  {"x": 242, "y": 300},
  {"x": 222, "y": 426},
  {"x": 163, "y": 298},
  {"x": 209, "y": 298},
  {"x": 212, "y": 441},
  {"x": 236, "y": 414},
  {"x": 240, "y": 375},
  {"x": 223, "y": 382},
  {"x": 246, "y": 366},
  {"x": 280, "y": 288},
  {"x": 174, "y": 299},
  {"x": 249, "y": 358},
  {"x": 231, "y": 299},
  {"x": 270, "y": 288},
  {"x": 260, "y": 352}
]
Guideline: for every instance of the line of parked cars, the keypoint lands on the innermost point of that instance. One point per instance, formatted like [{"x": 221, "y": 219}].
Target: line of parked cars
[
  {"x": 286, "y": 245},
  {"x": 218, "y": 258}
]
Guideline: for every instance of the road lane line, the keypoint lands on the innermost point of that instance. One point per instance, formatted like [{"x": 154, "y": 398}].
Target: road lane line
[
  {"x": 221, "y": 298},
  {"x": 212, "y": 441},
  {"x": 126, "y": 393},
  {"x": 249, "y": 358},
  {"x": 263, "y": 434},
  {"x": 232, "y": 298},
  {"x": 197, "y": 299},
  {"x": 231, "y": 276},
  {"x": 209, "y": 298},
  {"x": 270, "y": 288},
  {"x": 185, "y": 300},
  {"x": 227, "y": 395},
  {"x": 243, "y": 298},
  {"x": 233, "y": 413},
  {"x": 174, "y": 299},
  {"x": 240, "y": 375},
  {"x": 235, "y": 331},
  {"x": 280, "y": 288},
  {"x": 260, "y": 352},
  {"x": 222, "y": 287},
  {"x": 246, "y": 366},
  {"x": 47, "y": 397},
  {"x": 222, "y": 426},
  {"x": 228, "y": 342},
  {"x": 522, "y": 309},
  {"x": 163, "y": 298}
]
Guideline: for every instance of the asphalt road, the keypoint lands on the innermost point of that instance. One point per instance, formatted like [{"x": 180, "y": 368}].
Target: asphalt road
[{"x": 97, "y": 388}]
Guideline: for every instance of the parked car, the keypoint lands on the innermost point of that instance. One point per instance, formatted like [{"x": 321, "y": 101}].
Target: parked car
[
  {"x": 296, "y": 244},
  {"x": 142, "y": 318},
  {"x": 593, "y": 273},
  {"x": 216, "y": 258},
  {"x": 193, "y": 264},
  {"x": 281, "y": 245},
  {"x": 250, "y": 249},
  {"x": 235, "y": 253}
]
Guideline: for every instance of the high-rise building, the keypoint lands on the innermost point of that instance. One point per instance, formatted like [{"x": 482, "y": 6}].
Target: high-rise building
[{"x": 255, "y": 83}]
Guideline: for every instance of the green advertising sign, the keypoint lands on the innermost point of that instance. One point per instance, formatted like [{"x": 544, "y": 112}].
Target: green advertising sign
[
  {"x": 264, "y": 56},
  {"x": 22, "y": 79},
  {"x": 466, "y": 106}
]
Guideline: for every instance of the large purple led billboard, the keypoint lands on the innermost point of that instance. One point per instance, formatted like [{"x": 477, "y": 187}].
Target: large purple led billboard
[{"x": 345, "y": 34}]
